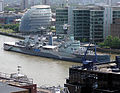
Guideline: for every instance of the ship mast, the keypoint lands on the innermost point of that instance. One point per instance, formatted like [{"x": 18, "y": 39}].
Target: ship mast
[{"x": 18, "y": 69}]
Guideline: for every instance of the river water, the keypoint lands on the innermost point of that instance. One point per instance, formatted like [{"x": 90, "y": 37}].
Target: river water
[{"x": 44, "y": 71}]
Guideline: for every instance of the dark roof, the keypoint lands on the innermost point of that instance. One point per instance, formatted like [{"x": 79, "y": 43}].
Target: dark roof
[{"x": 5, "y": 88}]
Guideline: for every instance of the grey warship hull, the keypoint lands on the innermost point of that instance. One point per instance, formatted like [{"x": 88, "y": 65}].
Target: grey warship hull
[{"x": 54, "y": 54}]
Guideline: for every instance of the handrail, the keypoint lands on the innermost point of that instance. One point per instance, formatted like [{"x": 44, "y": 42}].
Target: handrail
[{"x": 7, "y": 76}]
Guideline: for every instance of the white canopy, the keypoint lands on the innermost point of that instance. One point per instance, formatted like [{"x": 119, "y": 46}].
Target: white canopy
[{"x": 49, "y": 46}]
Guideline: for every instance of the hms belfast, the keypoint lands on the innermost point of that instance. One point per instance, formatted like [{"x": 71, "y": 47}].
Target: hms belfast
[{"x": 67, "y": 50}]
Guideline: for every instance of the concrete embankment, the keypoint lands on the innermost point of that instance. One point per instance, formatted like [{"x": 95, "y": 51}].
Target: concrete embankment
[
  {"x": 108, "y": 50},
  {"x": 12, "y": 35}
]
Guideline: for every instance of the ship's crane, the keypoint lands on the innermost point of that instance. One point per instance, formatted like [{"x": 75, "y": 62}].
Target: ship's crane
[{"x": 88, "y": 64}]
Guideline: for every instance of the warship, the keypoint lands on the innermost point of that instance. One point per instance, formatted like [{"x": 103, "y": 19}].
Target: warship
[{"x": 67, "y": 50}]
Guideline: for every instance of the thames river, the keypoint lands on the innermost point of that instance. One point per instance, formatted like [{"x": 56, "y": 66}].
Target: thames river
[{"x": 44, "y": 71}]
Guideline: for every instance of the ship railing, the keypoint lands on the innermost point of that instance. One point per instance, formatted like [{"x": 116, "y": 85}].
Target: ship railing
[
  {"x": 29, "y": 81},
  {"x": 7, "y": 77},
  {"x": 53, "y": 89},
  {"x": 4, "y": 75}
]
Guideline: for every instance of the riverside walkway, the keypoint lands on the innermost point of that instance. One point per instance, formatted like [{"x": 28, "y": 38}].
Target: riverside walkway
[{"x": 16, "y": 35}]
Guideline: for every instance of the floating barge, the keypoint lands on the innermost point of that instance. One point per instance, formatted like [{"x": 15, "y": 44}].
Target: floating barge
[{"x": 105, "y": 79}]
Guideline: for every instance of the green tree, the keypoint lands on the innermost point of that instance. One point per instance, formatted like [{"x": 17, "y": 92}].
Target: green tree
[
  {"x": 84, "y": 40},
  {"x": 9, "y": 9},
  {"x": 6, "y": 26},
  {"x": 14, "y": 27},
  {"x": 0, "y": 26},
  {"x": 111, "y": 42},
  {"x": 115, "y": 43},
  {"x": 101, "y": 44},
  {"x": 108, "y": 41}
]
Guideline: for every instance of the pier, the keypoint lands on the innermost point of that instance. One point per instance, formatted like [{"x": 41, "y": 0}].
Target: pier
[
  {"x": 17, "y": 82},
  {"x": 105, "y": 79}
]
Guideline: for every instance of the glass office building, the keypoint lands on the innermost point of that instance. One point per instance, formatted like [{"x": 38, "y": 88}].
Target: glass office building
[
  {"x": 97, "y": 25},
  {"x": 81, "y": 24},
  {"x": 36, "y": 18},
  {"x": 88, "y": 23},
  {"x": 61, "y": 19}
]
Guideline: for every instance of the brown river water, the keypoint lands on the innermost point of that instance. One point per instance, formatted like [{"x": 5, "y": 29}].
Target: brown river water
[{"x": 44, "y": 71}]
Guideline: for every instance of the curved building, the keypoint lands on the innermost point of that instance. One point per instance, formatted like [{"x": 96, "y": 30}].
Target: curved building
[{"x": 36, "y": 18}]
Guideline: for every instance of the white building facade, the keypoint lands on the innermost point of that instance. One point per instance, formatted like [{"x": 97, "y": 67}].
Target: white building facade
[
  {"x": 108, "y": 16},
  {"x": 36, "y": 18},
  {"x": 1, "y": 5}
]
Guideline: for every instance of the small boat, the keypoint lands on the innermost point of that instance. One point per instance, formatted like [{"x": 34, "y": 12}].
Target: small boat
[{"x": 20, "y": 77}]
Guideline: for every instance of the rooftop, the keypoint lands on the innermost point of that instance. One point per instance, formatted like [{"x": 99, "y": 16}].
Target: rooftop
[
  {"x": 104, "y": 68},
  {"x": 41, "y": 6},
  {"x": 6, "y": 78},
  {"x": 5, "y": 88},
  {"x": 90, "y": 7}
]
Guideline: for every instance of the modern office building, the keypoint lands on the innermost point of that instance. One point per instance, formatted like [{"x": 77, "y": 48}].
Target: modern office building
[
  {"x": 96, "y": 2},
  {"x": 52, "y": 3},
  {"x": 32, "y": 3},
  {"x": 81, "y": 24},
  {"x": 61, "y": 19},
  {"x": 1, "y": 5},
  {"x": 36, "y": 18},
  {"x": 24, "y": 4},
  {"x": 116, "y": 13},
  {"x": 71, "y": 18},
  {"x": 88, "y": 23},
  {"x": 96, "y": 25},
  {"x": 115, "y": 28},
  {"x": 45, "y": 2},
  {"x": 64, "y": 16},
  {"x": 57, "y": 3},
  {"x": 107, "y": 20}
]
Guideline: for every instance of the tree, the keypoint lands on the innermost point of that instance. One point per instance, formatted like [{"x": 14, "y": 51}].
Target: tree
[
  {"x": 108, "y": 41},
  {"x": 0, "y": 26},
  {"x": 101, "y": 44},
  {"x": 14, "y": 27},
  {"x": 9, "y": 9},
  {"x": 115, "y": 43},
  {"x": 111, "y": 42},
  {"x": 84, "y": 40}
]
